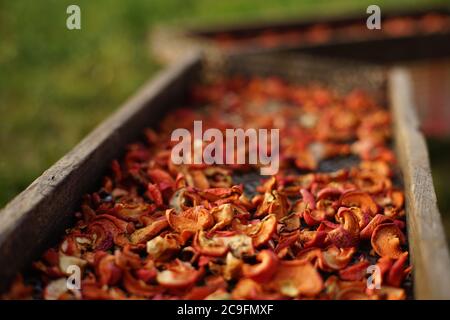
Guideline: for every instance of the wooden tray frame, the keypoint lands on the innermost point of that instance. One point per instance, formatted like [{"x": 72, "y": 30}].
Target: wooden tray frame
[{"x": 36, "y": 218}]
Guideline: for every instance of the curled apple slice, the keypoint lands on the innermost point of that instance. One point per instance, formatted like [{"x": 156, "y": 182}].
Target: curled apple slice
[
  {"x": 372, "y": 182},
  {"x": 106, "y": 269},
  {"x": 162, "y": 179},
  {"x": 290, "y": 223},
  {"x": 349, "y": 221},
  {"x": 179, "y": 275},
  {"x": 266, "y": 231},
  {"x": 273, "y": 203},
  {"x": 265, "y": 269},
  {"x": 138, "y": 287},
  {"x": 108, "y": 230},
  {"x": 178, "y": 200},
  {"x": 294, "y": 278},
  {"x": 366, "y": 233},
  {"x": 285, "y": 242},
  {"x": 387, "y": 240},
  {"x": 354, "y": 272},
  {"x": 233, "y": 267},
  {"x": 192, "y": 220},
  {"x": 56, "y": 289},
  {"x": 154, "y": 194},
  {"x": 214, "y": 194},
  {"x": 149, "y": 232},
  {"x": 131, "y": 212},
  {"x": 240, "y": 245},
  {"x": 223, "y": 215},
  {"x": 309, "y": 255},
  {"x": 163, "y": 248},
  {"x": 342, "y": 238},
  {"x": 66, "y": 261},
  {"x": 308, "y": 198},
  {"x": 214, "y": 246},
  {"x": 363, "y": 217},
  {"x": 345, "y": 290},
  {"x": 397, "y": 272},
  {"x": 329, "y": 193},
  {"x": 247, "y": 289},
  {"x": 359, "y": 199},
  {"x": 334, "y": 258},
  {"x": 314, "y": 217}
]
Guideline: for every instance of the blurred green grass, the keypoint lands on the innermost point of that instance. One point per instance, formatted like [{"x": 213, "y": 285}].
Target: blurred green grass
[
  {"x": 56, "y": 84},
  {"x": 439, "y": 150}
]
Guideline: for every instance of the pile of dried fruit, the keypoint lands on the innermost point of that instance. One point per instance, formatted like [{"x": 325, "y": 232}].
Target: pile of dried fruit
[
  {"x": 156, "y": 230},
  {"x": 393, "y": 27}
]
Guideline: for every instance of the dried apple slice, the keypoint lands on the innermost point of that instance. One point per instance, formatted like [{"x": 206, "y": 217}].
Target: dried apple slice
[
  {"x": 310, "y": 239},
  {"x": 214, "y": 246},
  {"x": 107, "y": 230},
  {"x": 215, "y": 194},
  {"x": 308, "y": 198},
  {"x": 247, "y": 289},
  {"x": 179, "y": 275},
  {"x": 106, "y": 269},
  {"x": 223, "y": 215},
  {"x": 290, "y": 223},
  {"x": 56, "y": 289},
  {"x": 349, "y": 221},
  {"x": 178, "y": 200},
  {"x": 397, "y": 271},
  {"x": 296, "y": 278},
  {"x": 273, "y": 203},
  {"x": 285, "y": 242},
  {"x": 66, "y": 261},
  {"x": 342, "y": 238},
  {"x": 265, "y": 269},
  {"x": 314, "y": 217},
  {"x": 309, "y": 255},
  {"x": 354, "y": 272},
  {"x": 366, "y": 233},
  {"x": 359, "y": 199},
  {"x": 363, "y": 217},
  {"x": 329, "y": 193},
  {"x": 163, "y": 248},
  {"x": 387, "y": 240},
  {"x": 138, "y": 287},
  {"x": 149, "y": 232},
  {"x": 131, "y": 212},
  {"x": 240, "y": 245},
  {"x": 154, "y": 194},
  {"x": 266, "y": 231},
  {"x": 161, "y": 178},
  {"x": 233, "y": 267},
  {"x": 334, "y": 258},
  {"x": 192, "y": 219}
]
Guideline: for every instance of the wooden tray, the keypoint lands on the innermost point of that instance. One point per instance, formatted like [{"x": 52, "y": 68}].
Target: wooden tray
[
  {"x": 372, "y": 46},
  {"x": 37, "y": 217}
]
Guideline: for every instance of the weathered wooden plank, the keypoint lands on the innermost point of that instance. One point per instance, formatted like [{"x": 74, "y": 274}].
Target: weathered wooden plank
[
  {"x": 37, "y": 216},
  {"x": 429, "y": 252}
]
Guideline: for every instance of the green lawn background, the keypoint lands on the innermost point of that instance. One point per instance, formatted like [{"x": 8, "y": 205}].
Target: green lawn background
[{"x": 56, "y": 84}]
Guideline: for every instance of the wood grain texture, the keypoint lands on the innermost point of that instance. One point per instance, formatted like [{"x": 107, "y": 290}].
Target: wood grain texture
[
  {"x": 35, "y": 218},
  {"x": 428, "y": 247}
]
